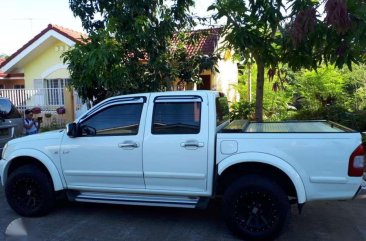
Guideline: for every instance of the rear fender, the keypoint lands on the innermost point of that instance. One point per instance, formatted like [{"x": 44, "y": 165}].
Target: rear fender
[{"x": 270, "y": 160}]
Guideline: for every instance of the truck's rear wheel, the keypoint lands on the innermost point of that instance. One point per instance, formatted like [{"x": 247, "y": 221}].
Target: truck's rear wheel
[
  {"x": 29, "y": 191},
  {"x": 256, "y": 208}
]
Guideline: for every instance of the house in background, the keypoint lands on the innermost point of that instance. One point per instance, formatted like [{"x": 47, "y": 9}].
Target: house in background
[
  {"x": 40, "y": 58},
  {"x": 40, "y": 65},
  {"x": 227, "y": 75},
  {"x": 38, "y": 68},
  {"x": 11, "y": 80}
]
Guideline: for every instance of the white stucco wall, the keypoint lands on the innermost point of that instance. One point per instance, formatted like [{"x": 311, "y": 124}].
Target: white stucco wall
[{"x": 224, "y": 80}]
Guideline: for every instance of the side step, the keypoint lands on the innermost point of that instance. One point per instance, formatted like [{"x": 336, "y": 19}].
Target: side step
[{"x": 138, "y": 199}]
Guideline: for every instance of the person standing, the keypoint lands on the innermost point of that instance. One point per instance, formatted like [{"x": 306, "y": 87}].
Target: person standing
[{"x": 30, "y": 125}]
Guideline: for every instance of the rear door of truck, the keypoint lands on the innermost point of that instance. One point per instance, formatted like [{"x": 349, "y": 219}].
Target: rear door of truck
[{"x": 175, "y": 147}]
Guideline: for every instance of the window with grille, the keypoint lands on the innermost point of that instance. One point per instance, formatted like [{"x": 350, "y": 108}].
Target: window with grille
[
  {"x": 55, "y": 91},
  {"x": 18, "y": 87}
]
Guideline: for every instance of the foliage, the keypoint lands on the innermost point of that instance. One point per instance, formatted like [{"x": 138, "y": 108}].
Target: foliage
[
  {"x": 133, "y": 46},
  {"x": 331, "y": 94},
  {"x": 354, "y": 87},
  {"x": 293, "y": 32},
  {"x": 328, "y": 93},
  {"x": 277, "y": 103},
  {"x": 223, "y": 108},
  {"x": 52, "y": 127},
  {"x": 242, "y": 110},
  {"x": 318, "y": 89}
]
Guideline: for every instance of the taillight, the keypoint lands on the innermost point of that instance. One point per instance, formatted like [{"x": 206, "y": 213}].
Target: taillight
[{"x": 356, "y": 162}]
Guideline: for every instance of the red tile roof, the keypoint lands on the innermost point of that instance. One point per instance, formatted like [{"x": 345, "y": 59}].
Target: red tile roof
[
  {"x": 71, "y": 34},
  {"x": 15, "y": 75},
  {"x": 1, "y": 61},
  {"x": 207, "y": 43}
]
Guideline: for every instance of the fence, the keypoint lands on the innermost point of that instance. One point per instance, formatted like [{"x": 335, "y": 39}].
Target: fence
[{"x": 48, "y": 99}]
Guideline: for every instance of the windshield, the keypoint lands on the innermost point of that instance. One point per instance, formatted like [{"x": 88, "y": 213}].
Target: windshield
[{"x": 8, "y": 110}]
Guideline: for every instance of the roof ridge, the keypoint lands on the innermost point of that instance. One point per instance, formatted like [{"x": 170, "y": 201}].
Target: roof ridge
[
  {"x": 64, "y": 28},
  {"x": 69, "y": 33}
]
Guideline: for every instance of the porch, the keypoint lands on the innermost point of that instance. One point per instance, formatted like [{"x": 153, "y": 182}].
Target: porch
[{"x": 50, "y": 101}]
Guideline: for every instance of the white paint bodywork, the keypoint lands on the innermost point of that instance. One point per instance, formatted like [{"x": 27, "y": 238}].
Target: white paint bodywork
[
  {"x": 42, "y": 147},
  {"x": 316, "y": 163}
]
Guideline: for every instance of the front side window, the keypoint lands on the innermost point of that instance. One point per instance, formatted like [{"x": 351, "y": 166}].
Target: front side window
[
  {"x": 114, "y": 120},
  {"x": 176, "y": 118}
]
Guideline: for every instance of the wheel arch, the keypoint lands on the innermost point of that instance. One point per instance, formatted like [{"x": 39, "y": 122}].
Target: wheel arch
[
  {"x": 23, "y": 157},
  {"x": 264, "y": 164}
]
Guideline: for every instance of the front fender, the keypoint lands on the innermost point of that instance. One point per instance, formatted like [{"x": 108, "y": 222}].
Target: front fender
[
  {"x": 41, "y": 157},
  {"x": 270, "y": 160}
]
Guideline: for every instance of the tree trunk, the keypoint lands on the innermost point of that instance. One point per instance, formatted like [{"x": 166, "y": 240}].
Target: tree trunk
[
  {"x": 250, "y": 82},
  {"x": 259, "y": 91}
]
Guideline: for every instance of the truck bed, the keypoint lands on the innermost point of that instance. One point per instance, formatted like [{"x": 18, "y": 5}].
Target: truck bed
[
  {"x": 318, "y": 126},
  {"x": 319, "y": 151}
]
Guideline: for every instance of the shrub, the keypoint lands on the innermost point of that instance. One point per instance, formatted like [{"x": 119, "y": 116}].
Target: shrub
[{"x": 242, "y": 110}]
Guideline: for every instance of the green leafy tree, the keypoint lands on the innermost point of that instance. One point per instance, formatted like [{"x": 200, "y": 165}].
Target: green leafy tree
[
  {"x": 133, "y": 46},
  {"x": 355, "y": 87},
  {"x": 321, "y": 88},
  {"x": 293, "y": 32}
]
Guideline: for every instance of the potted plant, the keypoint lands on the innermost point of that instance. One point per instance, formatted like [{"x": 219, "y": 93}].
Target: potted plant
[{"x": 61, "y": 110}]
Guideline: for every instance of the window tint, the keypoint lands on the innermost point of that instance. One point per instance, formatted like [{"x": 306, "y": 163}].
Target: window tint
[
  {"x": 8, "y": 110},
  {"x": 176, "y": 118},
  {"x": 114, "y": 120},
  {"x": 222, "y": 110}
]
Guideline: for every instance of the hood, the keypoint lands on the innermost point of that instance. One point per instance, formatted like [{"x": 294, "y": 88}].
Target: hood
[{"x": 56, "y": 134}]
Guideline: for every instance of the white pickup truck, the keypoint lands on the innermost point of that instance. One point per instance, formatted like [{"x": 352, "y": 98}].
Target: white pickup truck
[{"x": 178, "y": 149}]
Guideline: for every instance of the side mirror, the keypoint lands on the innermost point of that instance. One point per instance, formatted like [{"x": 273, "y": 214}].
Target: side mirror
[{"x": 71, "y": 130}]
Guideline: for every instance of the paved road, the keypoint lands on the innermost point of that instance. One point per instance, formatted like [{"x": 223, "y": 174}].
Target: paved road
[{"x": 320, "y": 221}]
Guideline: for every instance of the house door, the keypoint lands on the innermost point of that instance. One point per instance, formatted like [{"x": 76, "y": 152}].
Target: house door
[{"x": 206, "y": 83}]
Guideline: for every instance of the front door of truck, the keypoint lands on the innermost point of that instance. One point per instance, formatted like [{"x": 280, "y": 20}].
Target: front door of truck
[
  {"x": 175, "y": 144},
  {"x": 107, "y": 154}
]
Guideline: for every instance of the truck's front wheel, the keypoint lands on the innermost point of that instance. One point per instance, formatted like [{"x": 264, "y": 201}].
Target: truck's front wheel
[
  {"x": 29, "y": 191},
  {"x": 256, "y": 208}
]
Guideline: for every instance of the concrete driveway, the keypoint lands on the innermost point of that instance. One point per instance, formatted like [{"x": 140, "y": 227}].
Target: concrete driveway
[{"x": 323, "y": 221}]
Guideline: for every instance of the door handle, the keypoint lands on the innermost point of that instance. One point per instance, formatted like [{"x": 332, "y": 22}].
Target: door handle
[
  {"x": 128, "y": 145},
  {"x": 194, "y": 144}
]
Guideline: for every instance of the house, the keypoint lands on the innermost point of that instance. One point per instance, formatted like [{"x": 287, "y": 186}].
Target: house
[
  {"x": 11, "y": 80},
  {"x": 39, "y": 59},
  {"x": 211, "y": 42},
  {"x": 38, "y": 67}
]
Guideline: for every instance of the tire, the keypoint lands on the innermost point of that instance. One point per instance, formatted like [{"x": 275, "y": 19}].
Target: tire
[
  {"x": 29, "y": 191},
  {"x": 256, "y": 208}
]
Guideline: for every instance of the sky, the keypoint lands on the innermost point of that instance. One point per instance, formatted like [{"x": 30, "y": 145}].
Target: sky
[{"x": 21, "y": 20}]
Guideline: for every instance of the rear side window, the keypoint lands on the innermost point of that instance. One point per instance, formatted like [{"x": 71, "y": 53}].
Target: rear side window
[{"x": 176, "y": 118}]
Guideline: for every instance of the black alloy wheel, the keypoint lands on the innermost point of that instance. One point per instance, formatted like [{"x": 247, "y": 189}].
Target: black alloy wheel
[
  {"x": 256, "y": 208},
  {"x": 29, "y": 191}
]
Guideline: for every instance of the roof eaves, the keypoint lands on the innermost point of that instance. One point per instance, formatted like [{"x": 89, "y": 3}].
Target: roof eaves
[{"x": 35, "y": 38}]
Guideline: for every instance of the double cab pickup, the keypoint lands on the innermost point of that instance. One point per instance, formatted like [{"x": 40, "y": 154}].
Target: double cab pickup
[{"x": 179, "y": 149}]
